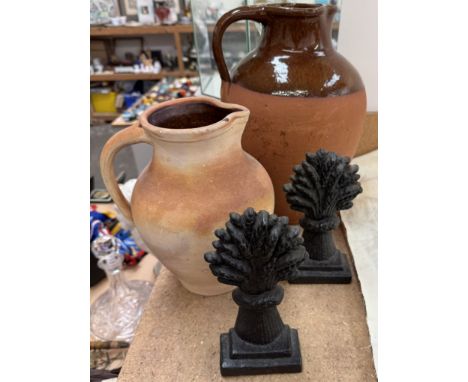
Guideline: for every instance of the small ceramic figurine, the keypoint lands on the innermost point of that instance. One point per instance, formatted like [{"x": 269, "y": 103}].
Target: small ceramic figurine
[
  {"x": 323, "y": 184},
  {"x": 156, "y": 66},
  {"x": 254, "y": 252},
  {"x": 145, "y": 60},
  {"x": 98, "y": 67}
]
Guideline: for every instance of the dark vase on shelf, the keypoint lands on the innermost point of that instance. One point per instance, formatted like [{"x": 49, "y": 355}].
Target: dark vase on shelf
[{"x": 301, "y": 93}]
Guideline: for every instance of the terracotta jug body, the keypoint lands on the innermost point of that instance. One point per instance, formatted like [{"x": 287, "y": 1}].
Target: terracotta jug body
[
  {"x": 199, "y": 173},
  {"x": 301, "y": 93}
]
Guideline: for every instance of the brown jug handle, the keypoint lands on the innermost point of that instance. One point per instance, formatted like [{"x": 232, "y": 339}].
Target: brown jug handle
[
  {"x": 253, "y": 13},
  {"x": 129, "y": 136}
]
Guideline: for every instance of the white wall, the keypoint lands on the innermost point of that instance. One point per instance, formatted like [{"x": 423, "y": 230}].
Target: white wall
[{"x": 357, "y": 41}]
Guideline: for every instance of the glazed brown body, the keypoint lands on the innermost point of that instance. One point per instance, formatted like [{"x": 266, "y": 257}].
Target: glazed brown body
[
  {"x": 301, "y": 93},
  {"x": 195, "y": 179}
]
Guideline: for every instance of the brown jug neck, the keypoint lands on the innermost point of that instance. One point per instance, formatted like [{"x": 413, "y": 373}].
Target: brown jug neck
[{"x": 309, "y": 32}]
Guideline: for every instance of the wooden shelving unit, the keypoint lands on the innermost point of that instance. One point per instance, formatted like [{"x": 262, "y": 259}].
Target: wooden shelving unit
[
  {"x": 109, "y": 34},
  {"x": 140, "y": 76}
]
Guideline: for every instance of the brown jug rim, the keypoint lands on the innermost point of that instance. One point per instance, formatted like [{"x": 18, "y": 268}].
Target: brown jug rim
[
  {"x": 193, "y": 134},
  {"x": 296, "y": 9}
]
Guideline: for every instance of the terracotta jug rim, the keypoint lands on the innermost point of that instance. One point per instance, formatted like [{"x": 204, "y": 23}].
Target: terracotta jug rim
[{"x": 198, "y": 133}]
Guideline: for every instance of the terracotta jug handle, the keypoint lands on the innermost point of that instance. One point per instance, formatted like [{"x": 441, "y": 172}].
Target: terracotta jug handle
[
  {"x": 241, "y": 13},
  {"x": 130, "y": 135}
]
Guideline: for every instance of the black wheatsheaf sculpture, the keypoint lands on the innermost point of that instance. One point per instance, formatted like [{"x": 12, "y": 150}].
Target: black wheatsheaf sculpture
[
  {"x": 322, "y": 185},
  {"x": 254, "y": 252}
]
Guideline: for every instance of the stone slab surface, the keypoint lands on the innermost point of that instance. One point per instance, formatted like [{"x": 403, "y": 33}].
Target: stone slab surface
[{"x": 178, "y": 336}]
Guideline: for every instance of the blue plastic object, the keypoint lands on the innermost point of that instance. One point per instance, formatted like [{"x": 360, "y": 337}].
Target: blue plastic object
[{"x": 130, "y": 99}]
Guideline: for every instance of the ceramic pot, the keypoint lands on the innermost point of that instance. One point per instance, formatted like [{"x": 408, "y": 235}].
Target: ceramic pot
[
  {"x": 198, "y": 174},
  {"x": 302, "y": 94}
]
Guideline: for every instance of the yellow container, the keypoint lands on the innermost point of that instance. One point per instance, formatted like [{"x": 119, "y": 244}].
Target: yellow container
[{"x": 104, "y": 102}]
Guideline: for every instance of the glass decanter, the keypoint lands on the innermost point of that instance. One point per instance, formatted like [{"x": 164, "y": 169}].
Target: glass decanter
[{"x": 117, "y": 312}]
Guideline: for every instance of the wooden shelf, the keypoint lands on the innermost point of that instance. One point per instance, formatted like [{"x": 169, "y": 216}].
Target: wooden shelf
[
  {"x": 156, "y": 29},
  {"x": 140, "y": 30},
  {"x": 140, "y": 76},
  {"x": 103, "y": 117}
]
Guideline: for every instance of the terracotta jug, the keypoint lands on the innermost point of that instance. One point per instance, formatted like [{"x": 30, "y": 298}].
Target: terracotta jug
[
  {"x": 302, "y": 94},
  {"x": 199, "y": 173}
]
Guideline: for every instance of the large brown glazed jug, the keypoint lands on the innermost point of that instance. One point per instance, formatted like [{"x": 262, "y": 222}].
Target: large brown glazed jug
[
  {"x": 301, "y": 93},
  {"x": 199, "y": 173}
]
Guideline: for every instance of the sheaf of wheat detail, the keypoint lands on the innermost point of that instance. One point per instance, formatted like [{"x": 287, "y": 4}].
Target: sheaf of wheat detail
[
  {"x": 321, "y": 185},
  {"x": 255, "y": 251}
]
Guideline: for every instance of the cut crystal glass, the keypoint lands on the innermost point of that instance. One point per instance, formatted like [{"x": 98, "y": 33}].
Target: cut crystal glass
[{"x": 117, "y": 312}]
